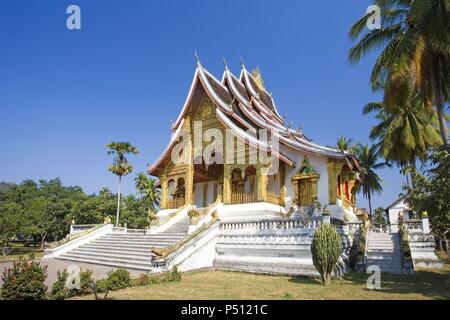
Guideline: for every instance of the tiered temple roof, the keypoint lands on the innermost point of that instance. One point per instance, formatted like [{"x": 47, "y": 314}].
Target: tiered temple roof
[{"x": 242, "y": 104}]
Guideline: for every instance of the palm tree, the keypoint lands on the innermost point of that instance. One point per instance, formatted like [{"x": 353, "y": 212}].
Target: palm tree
[
  {"x": 405, "y": 131},
  {"x": 120, "y": 167},
  {"x": 148, "y": 189},
  {"x": 105, "y": 192},
  {"x": 344, "y": 144},
  {"x": 415, "y": 42},
  {"x": 370, "y": 180}
]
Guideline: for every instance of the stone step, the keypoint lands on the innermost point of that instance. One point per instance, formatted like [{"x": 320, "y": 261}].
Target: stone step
[
  {"x": 380, "y": 245},
  {"x": 152, "y": 239},
  {"x": 121, "y": 256},
  {"x": 145, "y": 236},
  {"x": 96, "y": 248},
  {"x": 126, "y": 242},
  {"x": 392, "y": 270},
  {"x": 377, "y": 236},
  {"x": 377, "y": 242},
  {"x": 136, "y": 246},
  {"x": 112, "y": 251},
  {"x": 384, "y": 260},
  {"x": 387, "y": 251},
  {"x": 107, "y": 259},
  {"x": 112, "y": 263}
]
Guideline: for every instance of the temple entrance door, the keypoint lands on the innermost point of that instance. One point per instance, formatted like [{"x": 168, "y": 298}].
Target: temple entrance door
[{"x": 304, "y": 192}]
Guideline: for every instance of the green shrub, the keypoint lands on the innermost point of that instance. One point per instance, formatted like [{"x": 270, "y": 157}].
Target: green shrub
[
  {"x": 118, "y": 279},
  {"x": 172, "y": 275},
  {"x": 141, "y": 281},
  {"x": 325, "y": 249},
  {"x": 167, "y": 276},
  {"x": 86, "y": 280},
  {"x": 60, "y": 291},
  {"x": 24, "y": 281}
]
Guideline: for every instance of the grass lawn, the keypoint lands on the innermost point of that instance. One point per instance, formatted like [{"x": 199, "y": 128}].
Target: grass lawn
[
  {"x": 425, "y": 284},
  {"x": 20, "y": 250}
]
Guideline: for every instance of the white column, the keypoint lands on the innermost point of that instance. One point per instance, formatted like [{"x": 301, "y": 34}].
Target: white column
[{"x": 425, "y": 225}]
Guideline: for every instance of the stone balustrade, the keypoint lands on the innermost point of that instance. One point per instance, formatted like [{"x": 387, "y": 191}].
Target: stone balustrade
[
  {"x": 415, "y": 224},
  {"x": 78, "y": 228},
  {"x": 270, "y": 225},
  {"x": 353, "y": 226}
]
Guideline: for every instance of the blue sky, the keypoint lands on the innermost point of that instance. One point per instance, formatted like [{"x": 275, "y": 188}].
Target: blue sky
[{"x": 65, "y": 93}]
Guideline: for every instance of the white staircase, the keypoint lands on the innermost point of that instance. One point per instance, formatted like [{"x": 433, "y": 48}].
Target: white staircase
[
  {"x": 383, "y": 250},
  {"x": 128, "y": 250}
]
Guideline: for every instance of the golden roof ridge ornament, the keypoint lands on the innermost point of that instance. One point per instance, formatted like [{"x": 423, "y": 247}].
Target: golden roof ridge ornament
[
  {"x": 242, "y": 63},
  {"x": 256, "y": 74},
  {"x": 225, "y": 63},
  {"x": 197, "y": 59}
]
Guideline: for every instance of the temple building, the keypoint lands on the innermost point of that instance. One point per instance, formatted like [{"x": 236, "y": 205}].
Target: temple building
[
  {"x": 306, "y": 174},
  {"x": 242, "y": 191}
]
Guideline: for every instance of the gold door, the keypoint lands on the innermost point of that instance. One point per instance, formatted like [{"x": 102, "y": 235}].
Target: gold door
[{"x": 305, "y": 192}]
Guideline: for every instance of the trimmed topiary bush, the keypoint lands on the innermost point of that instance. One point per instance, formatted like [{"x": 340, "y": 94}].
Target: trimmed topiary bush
[
  {"x": 325, "y": 249},
  {"x": 24, "y": 281}
]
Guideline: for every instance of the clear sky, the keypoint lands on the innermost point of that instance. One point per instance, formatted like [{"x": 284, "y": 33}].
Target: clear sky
[{"x": 65, "y": 93}]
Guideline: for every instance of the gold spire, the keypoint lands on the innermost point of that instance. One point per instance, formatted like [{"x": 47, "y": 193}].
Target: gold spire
[
  {"x": 197, "y": 59},
  {"x": 225, "y": 63},
  {"x": 256, "y": 74}
]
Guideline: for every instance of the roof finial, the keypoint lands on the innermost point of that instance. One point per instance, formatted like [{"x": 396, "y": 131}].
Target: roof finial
[
  {"x": 197, "y": 58},
  {"x": 242, "y": 63},
  {"x": 225, "y": 63}
]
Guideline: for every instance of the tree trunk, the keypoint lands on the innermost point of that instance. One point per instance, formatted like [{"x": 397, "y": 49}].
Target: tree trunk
[
  {"x": 442, "y": 123},
  {"x": 43, "y": 240},
  {"x": 439, "y": 100},
  {"x": 118, "y": 203},
  {"x": 370, "y": 203}
]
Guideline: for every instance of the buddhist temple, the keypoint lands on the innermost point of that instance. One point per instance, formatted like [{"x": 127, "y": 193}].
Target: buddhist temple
[{"x": 306, "y": 174}]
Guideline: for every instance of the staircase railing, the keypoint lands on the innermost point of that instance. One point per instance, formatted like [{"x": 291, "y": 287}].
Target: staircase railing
[
  {"x": 78, "y": 240},
  {"x": 175, "y": 254},
  {"x": 206, "y": 215},
  {"x": 170, "y": 220},
  {"x": 78, "y": 228}
]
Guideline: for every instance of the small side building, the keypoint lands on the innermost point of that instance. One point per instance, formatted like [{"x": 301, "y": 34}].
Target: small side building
[{"x": 397, "y": 207}]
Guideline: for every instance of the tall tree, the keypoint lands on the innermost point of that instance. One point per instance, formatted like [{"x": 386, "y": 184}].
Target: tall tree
[
  {"x": 415, "y": 42},
  {"x": 431, "y": 190},
  {"x": 148, "y": 189},
  {"x": 406, "y": 130},
  {"x": 344, "y": 144},
  {"x": 120, "y": 167},
  {"x": 368, "y": 161}
]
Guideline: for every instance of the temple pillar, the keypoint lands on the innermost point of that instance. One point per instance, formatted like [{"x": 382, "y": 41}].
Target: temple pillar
[
  {"x": 283, "y": 189},
  {"x": 262, "y": 184},
  {"x": 164, "y": 191},
  {"x": 351, "y": 188},
  {"x": 227, "y": 184},
  {"x": 189, "y": 161},
  {"x": 334, "y": 169},
  {"x": 314, "y": 189}
]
